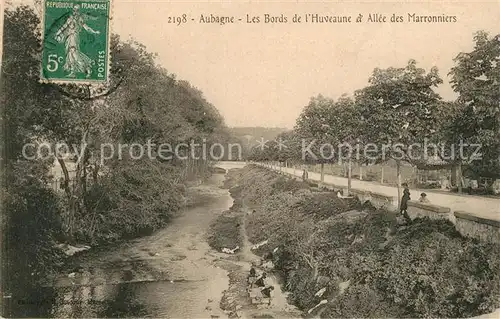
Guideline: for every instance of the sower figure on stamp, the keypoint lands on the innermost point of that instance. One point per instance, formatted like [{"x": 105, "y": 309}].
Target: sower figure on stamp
[{"x": 76, "y": 60}]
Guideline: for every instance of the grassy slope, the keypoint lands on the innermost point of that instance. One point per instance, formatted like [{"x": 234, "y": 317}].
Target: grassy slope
[{"x": 425, "y": 269}]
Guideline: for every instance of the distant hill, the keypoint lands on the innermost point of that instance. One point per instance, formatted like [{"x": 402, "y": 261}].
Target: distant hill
[{"x": 247, "y": 137}]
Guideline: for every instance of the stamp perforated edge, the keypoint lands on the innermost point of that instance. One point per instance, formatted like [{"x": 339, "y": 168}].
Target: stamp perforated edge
[{"x": 44, "y": 80}]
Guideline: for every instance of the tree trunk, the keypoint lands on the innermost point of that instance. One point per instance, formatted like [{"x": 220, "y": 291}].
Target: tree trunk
[
  {"x": 398, "y": 172},
  {"x": 349, "y": 176},
  {"x": 95, "y": 173},
  {"x": 84, "y": 184},
  {"x": 185, "y": 171},
  {"x": 66, "y": 177},
  {"x": 453, "y": 180},
  {"x": 192, "y": 167},
  {"x": 195, "y": 168},
  {"x": 382, "y": 175},
  {"x": 459, "y": 177},
  {"x": 360, "y": 172},
  {"x": 315, "y": 272},
  {"x": 68, "y": 221},
  {"x": 322, "y": 174}
]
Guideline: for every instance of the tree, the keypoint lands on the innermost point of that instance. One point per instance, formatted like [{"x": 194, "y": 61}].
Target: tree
[
  {"x": 30, "y": 219},
  {"x": 397, "y": 109},
  {"x": 476, "y": 78},
  {"x": 108, "y": 198},
  {"x": 452, "y": 120},
  {"x": 346, "y": 119},
  {"x": 279, "y": 145},
  {"x": 316, "y": 127}
]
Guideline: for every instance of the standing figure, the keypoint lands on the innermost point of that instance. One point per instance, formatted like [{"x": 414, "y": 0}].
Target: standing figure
[
  {"x": 404, "y": 202},
  {"x": 305, "y": 174},
  {"x": 76, "y": 61}
]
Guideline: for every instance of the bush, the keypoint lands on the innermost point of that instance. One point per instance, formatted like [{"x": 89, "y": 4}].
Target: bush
[
  {"x": 432, "y": 185},
  {"x": 285, "y": 184},
  {"x": 371, "y": 176},
  {"x": 132, "y": 200},
  {"x": 476, "y": 191},
  {"x": 30, "y": 226},
  {"x": 426, "y": 269},
  {"x": 225, "y": 232}
]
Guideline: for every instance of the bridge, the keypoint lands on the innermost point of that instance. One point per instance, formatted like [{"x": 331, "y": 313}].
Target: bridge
[{"x": 227, "y": 165}]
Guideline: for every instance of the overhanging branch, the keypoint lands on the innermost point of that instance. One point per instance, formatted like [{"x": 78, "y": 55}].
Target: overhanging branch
[{"x": 86, "y": 95}]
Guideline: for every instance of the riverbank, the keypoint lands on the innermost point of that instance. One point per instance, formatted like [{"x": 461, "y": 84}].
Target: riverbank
[
  {"x": 356, "y": 261},
  {"x": 170, "y": 273},
  {"x": 228, "y": 233}
]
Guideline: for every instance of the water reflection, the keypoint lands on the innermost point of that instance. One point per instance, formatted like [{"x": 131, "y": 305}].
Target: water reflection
[
  {"x": 31, "y": 303},
  {"x": 124, "y": 304},
  {"x": 133, "y": 280}
]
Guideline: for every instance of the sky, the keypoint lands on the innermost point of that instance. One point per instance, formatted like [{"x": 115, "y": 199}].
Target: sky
[{"x": 264, "y": 74}]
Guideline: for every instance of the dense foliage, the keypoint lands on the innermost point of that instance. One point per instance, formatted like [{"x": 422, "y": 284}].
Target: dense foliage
[
  {"x": 370, "y": 266},
  {"x": 103, "y": 199},
  {"x": 476, "y": 77},
  {"x": 400, "y": 107}
]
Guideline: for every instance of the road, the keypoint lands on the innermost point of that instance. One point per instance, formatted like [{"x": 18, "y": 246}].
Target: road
[{"x": 481, "y": 206}]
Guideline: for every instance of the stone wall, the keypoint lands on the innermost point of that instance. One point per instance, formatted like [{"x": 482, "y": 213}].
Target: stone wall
[
  {"x": 484, "y": 229},
  {"x": 420, "y": 210},
  {"x": 468, "y": 224},
  {"x": 389, "y": 203}
]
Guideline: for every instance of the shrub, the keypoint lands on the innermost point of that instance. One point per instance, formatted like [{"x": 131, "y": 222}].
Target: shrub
[
  {"x": 132, "y": 200},
  {"x": 432, "y": 185},
  {"x": 225, "y": 232},
  {"x": 31, "y": 223},
  {"x": 426, "y": 269}
]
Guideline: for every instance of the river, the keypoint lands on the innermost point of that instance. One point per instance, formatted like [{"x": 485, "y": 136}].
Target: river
[{"x": 170, "y": 274}]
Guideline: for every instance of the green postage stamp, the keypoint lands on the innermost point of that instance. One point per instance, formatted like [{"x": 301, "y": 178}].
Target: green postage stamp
[{"x": 76, "y": 41}]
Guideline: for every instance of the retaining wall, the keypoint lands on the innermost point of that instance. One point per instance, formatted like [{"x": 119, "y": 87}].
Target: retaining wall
[
  {"x": 471, "y": 225},
  {"x": 418, "y": 209},
  {"x": 382, "y": 201},
  {"x": 468, "y": 224},
  {"x": 389, "y": 203}
]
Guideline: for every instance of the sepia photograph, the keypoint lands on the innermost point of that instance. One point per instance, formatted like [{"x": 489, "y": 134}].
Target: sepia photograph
[{"x": 250, "y": 159}]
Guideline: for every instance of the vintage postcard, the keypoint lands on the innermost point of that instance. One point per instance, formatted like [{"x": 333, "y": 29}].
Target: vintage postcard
[{"x": 250, "y": 159}]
